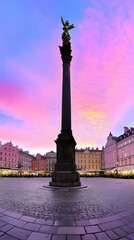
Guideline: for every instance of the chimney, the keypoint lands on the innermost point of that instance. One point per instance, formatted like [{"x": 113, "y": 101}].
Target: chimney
[{"x": 126, "y": 129}]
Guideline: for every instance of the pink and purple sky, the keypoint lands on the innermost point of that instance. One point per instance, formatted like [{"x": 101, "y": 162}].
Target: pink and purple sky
[{"x": 102, "y": 70}]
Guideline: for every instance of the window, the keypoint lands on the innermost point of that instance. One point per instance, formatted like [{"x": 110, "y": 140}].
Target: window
[
  {"x": 125, "y": 161},
  {"x": 96, "y": 166},
  {"x": 85, "y": 161},
  {"x": 81, "y": 161},
  {"x": 92, "y": 166},
  {"x": 125, "y": 155},
  {"x": 92, "y": 156},
  {"x": 84, "y": 156},
  {"x": 89, "y": 166},
  {"x": 129, "y": 141},
  {"x": 5, "y": 153},
  {"x": 96, "y": 161},
  {"x": 129, "y": 153},
  {"x": 81, "y": 156},
  {"x": 81, "y": 166},
  {"x": 92, "y": 161},
  {"x": 5, "y": 159},
  {"x": 89, "y": 156},
  {"x": 129, "y": 161},
  {"x": 85, "y": 166},
  {"x": 89, "y": 161}
]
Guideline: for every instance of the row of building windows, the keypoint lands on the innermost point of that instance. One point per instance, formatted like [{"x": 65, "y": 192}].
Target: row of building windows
[
  {"x": 93, "y": 167},
  {"x": 8, "y": 154},
  {"x": 5, "y": 159},
  {"x": 10, "y": 149},
  {"x": 96, "y": 156},
  {"x": 130, "y": 153},
  {"x": 124, "y": 163},
  {"x": 85, "y": 161},
  {"x": 125, "y": 143}
]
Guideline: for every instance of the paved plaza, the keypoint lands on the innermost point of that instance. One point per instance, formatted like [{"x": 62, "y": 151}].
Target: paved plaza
[{"x": 29, "y": 209}]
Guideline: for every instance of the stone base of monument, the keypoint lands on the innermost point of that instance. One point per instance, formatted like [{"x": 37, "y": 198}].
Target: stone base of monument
[
  {"x": 65, "y": 174},
  {"x": 65, "y": 179}
]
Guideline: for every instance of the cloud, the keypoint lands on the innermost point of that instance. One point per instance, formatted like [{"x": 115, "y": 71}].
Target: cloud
[{"x": 103, "y": 87}]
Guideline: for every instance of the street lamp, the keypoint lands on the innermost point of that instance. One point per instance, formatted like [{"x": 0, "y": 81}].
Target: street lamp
[{"x": 117, "y": 167}]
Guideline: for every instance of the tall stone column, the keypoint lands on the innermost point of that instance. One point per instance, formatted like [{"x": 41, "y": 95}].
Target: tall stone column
[{"x": 65, "y": 174}]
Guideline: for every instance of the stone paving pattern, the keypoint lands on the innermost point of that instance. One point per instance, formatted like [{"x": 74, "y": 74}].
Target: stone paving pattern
[{"x": 67, "y": 224}]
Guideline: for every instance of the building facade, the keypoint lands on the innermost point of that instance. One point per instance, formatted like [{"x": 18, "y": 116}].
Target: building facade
[
  {"x": 125, "y": 148},
  {"x": 109, "y": 153},
  {"x": 119, "y": 151},
  {"x": 25, "y": 160},
  {"x": 88, "y": 159},
  {"x": 50, "y": 160},
  {"x": 9, "y": 156},
  {"x": 38, "y": 163}
]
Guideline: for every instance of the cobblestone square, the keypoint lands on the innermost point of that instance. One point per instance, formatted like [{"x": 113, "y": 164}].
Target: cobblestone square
[{"x": 103, "y": 210}]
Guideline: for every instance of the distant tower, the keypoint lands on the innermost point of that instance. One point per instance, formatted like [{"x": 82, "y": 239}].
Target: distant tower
[{"x": 65, "y": 174}]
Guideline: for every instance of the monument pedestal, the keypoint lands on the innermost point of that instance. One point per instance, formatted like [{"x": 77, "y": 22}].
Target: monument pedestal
[{"x": 65, "y": 174}]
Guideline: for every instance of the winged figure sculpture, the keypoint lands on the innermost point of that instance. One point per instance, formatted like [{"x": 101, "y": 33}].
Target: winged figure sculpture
[{"x": 66, "y": 28}]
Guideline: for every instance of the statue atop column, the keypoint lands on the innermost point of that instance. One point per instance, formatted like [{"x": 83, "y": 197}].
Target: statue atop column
[{"x": 66, "y": 28}]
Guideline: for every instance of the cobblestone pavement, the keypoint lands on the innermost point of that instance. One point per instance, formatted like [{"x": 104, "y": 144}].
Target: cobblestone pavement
[{"x": 104, "y": 210}]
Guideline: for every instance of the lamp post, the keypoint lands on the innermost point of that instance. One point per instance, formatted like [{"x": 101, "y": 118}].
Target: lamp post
[{"x": 117, "y": 167}]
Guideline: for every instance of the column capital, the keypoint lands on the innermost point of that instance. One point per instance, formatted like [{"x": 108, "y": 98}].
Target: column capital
[{"x": 65, "y": 51}]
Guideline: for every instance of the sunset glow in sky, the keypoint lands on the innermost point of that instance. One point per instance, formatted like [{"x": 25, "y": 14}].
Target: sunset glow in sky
[{"x": 102, "y": 70}]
